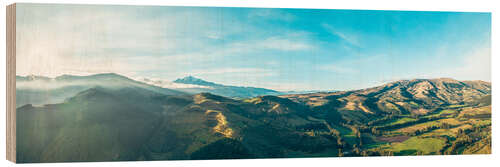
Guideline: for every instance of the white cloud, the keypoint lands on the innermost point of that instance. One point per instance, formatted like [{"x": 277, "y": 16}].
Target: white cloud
[
  {"x": 270, "y": 14},
  {"x": 348, "y": 37},
  {"x": 167, "y": 84},
  {"x": 476, "y": 65},
  {"x": 284, "y": 44},
  {"x": 239, "y": 74},
  {"x": 472, "y": 65},
  {"x": 289, "y": 86},
  {"x": 339, "y": 69},
  {"x": 79, "y": 41},
  {"x": 83, "y": 40},
  {"x": 230, "y": 70},
  {"x": 348, "y": 66},
  {"x": 292, "y": 41}
]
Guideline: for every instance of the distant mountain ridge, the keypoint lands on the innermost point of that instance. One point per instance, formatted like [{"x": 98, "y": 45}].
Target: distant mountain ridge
[
  {"x": 195, "y": 81},
  {"x": 168, "y": 84},
  {"x": 224, "y": 90},
  {"x": 38, "y": 90}
]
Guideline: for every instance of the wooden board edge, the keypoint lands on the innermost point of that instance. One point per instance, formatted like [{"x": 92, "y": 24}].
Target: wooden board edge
[{"x": 11, "y": 82}]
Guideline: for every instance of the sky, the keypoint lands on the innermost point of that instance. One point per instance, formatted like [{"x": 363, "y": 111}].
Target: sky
[{"x": 281, "y": 49}]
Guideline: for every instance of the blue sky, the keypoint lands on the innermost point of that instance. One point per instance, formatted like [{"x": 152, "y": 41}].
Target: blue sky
[{"x": 283, "y": 49}]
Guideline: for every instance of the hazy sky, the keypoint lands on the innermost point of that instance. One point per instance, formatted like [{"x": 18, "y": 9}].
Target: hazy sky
[{"x": 283, "y": 49}]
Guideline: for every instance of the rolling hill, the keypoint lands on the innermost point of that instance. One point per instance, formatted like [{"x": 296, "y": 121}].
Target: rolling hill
[
  {"x": 102, "y": 124},
  {"x": 419, "y": 96},
  {"x": 109, "y": 123}
]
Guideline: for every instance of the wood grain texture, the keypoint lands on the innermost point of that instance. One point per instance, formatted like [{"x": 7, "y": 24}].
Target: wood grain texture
[{"x": 11, "y": 82}]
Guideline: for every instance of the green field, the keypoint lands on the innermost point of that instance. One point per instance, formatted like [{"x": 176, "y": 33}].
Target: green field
[
  {"x": 418, "y": 144},
  {"x": 402, "y": 120}
]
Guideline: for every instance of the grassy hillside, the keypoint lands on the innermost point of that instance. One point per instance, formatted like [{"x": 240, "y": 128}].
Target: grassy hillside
[
  {"x": 101, "y": 124},
  {"x": 418, "y": 117},
  {"x": 92, "y": 126}
]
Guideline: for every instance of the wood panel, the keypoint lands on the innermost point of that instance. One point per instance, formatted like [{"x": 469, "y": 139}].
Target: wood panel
[{"x": 11, "y": 82}]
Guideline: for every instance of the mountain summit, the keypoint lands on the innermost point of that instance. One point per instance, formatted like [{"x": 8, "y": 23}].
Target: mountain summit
[
  {"x": 223, "y": 90},
  {"x": 195, "y": 81}
]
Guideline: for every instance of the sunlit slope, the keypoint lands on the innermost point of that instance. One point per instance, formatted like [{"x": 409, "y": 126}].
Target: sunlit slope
[
  {"x": 419, "y": 96},
  {"x": 238, "y": 129}
]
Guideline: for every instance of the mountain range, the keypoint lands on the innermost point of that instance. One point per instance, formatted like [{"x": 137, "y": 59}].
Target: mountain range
[
  {"x": 38, "y": 90},
  {"x": 116, "y": 118},
  {"x": 419, "y": 96}
]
